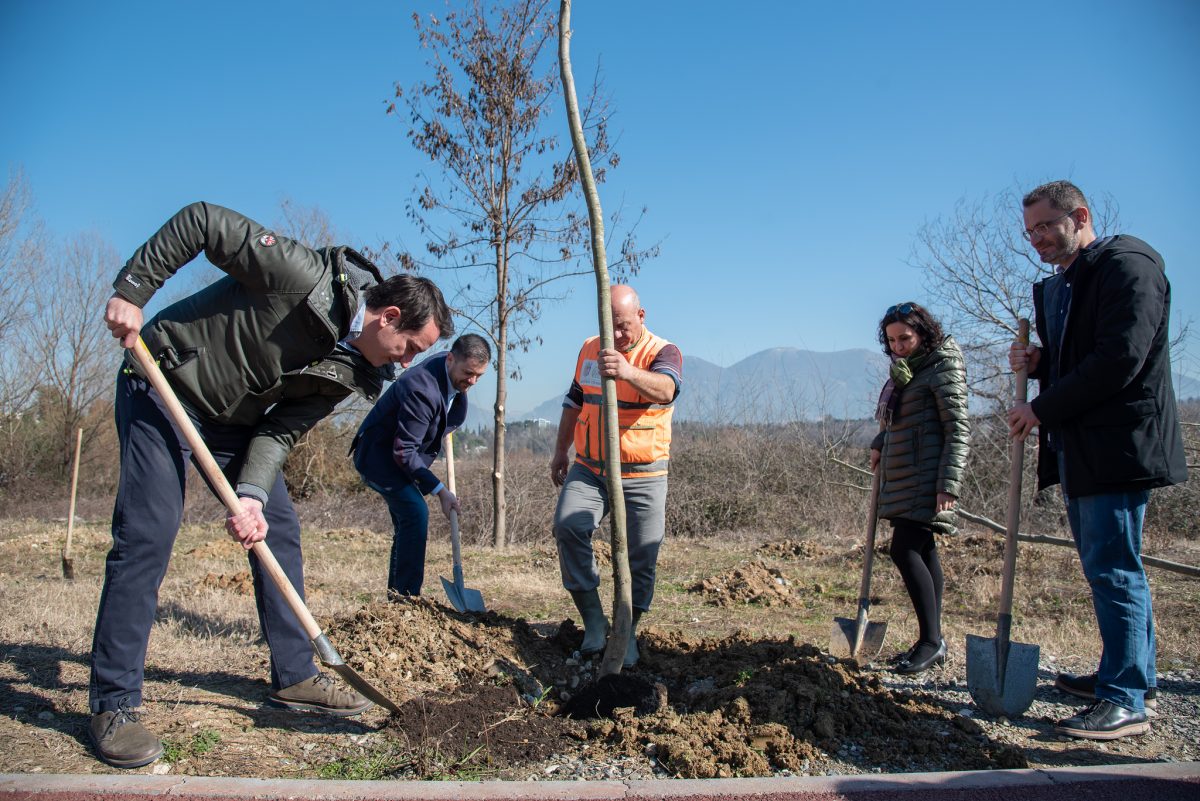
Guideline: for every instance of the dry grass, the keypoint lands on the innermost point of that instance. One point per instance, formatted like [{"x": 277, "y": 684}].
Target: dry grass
[{"x": 206, "y": 661}]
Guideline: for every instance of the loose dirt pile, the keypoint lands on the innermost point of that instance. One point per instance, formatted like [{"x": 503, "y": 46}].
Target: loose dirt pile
[
  {"x": 488, "y": 692},
  {"x": 240, "y": 582},
  {"x": 750, "y": 583},
  {"x": 792, "y": 549}
]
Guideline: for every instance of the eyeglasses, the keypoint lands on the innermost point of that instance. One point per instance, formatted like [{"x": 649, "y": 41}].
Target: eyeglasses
[
  {"x": 902, "y": 308},
  {"x": 1039, "y": 230}
]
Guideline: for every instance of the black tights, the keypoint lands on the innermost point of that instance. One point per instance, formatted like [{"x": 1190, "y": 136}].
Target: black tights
[{"x": 915, "y": 554}]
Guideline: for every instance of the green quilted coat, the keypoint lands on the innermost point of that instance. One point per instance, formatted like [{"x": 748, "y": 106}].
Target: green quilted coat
[{"x": 924, "y": 447}]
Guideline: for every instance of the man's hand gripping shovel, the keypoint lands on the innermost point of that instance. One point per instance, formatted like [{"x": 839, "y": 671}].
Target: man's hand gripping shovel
[{"x": 325, "y": 651}]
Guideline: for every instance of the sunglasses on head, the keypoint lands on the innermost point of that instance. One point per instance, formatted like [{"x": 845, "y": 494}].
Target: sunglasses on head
[{"x": 903, "y": 308}]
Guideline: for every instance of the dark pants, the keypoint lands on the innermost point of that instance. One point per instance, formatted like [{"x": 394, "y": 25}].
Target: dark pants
[
  {"x": 146, "y": 518},
  {"x": 914, "y": 551},
  {"x": 410, "y": 532}
]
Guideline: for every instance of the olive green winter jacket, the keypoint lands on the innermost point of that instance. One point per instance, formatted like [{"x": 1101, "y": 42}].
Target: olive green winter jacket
[
  {"x": 924, "y": 447},
  {"x": 257, "y": 347}
]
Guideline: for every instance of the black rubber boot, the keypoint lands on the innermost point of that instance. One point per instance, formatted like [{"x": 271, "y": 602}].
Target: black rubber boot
[
  {"x": 631, "y": 650},
  {"x": 595, "y": 624}
]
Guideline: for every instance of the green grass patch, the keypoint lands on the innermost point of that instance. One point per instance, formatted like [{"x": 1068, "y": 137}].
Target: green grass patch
[{"x": 202, "y": 742}]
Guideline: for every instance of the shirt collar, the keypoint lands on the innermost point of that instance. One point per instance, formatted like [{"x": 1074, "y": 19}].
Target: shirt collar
[{"x": 450, "y": 390}]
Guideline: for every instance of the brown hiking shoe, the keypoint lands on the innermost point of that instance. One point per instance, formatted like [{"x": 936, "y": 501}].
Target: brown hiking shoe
[
  {"x": 320, "y": 694},
  {"x": 123, "y": 742}
]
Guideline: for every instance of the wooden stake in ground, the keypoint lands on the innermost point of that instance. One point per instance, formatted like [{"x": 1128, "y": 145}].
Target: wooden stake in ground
[
  {"x": 614, "y": 652},
  {"x": 68, "y": 564}
]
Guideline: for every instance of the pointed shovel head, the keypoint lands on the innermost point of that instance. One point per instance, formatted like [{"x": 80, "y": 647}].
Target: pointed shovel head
[
  {"x": 1001, "y": 689},
  {"x": 331, "y": 659},
  {"x": 455, "y": 596},
  {"x": 841, "y": 639}
]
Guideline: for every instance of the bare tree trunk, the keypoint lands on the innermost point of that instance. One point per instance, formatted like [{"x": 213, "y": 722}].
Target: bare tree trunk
[
  {"x": 499, "y": 502},
  {"x": 614, "y": 653}
]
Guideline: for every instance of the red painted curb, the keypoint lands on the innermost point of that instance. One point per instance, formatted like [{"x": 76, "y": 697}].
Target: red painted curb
[{"x": 1152, "y": 782}]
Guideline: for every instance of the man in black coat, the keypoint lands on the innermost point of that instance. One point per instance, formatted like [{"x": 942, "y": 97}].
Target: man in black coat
[
  {"x": 402, "y": 435},
  {"x": 1108, "y": 432}
]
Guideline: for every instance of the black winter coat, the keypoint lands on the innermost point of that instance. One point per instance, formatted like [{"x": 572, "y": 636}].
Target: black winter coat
[{"x": 1113, "y": 403}]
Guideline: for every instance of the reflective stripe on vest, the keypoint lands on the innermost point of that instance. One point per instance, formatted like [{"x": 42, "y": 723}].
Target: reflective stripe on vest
[{"x": 645, "y": 426}]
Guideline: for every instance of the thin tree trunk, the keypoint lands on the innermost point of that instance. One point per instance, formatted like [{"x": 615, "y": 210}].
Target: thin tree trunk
[
  {"x": 499, "y": 502},
  {"x": 614, "y": 653}
]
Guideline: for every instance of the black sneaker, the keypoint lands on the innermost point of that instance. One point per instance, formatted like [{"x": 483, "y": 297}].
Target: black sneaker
[
  {"x": 1104, "y": 720},
  {"x": 1085, "y": 687},
  {"x": 123, "y": 742}
]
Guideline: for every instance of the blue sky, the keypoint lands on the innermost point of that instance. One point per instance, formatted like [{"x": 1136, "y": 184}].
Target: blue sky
[{"x": 788, "y": 151}]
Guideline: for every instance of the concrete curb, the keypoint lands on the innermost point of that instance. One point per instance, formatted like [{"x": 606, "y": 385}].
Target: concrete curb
[{"x": 1153, "y": 781}]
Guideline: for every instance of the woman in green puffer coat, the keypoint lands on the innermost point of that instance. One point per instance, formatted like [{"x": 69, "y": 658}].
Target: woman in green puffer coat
[{"x": 921, "y": 450}]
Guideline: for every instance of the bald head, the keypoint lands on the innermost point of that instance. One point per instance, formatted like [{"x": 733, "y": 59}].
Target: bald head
[{"x": 627, "y": 316}]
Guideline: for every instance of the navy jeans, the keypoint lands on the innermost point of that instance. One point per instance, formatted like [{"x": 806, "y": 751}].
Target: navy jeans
[
  {"x": 146, "y": 518},
  {"x": 410, "y": 532},
  {"x": 1108, "y": 534}
]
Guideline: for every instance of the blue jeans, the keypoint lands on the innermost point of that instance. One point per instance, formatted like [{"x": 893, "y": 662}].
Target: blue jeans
[
  {"x": 1108, "y": 534},
  {"x": 410, "y": 531}
]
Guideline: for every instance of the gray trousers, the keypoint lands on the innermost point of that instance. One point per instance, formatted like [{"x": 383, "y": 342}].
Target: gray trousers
[{"x": 583, "y": 503}]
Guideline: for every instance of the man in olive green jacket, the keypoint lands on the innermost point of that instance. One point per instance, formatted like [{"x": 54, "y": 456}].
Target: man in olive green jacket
[{"x": 257, "y": 358}]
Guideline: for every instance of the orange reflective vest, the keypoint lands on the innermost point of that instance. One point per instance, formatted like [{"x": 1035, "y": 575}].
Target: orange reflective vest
[{"x": 645, "y": 426}]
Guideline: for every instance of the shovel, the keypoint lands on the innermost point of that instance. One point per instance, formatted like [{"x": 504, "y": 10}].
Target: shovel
[
  {"x": 68, "y": 563},
  {"x": 1001, "y": 674},
  {"x": 849, "y": 637},
  {"x": 461, "y": 598},
  {"x": 325, "y": 651}
]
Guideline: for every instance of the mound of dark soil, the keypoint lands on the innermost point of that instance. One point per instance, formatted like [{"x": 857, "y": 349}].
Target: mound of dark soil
[{"x": 487, "y": 690}]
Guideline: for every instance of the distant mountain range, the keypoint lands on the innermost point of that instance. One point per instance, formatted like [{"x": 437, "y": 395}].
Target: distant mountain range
[
  {"x": 772, "y": 386},
  {"x": 777, "y": 385}
]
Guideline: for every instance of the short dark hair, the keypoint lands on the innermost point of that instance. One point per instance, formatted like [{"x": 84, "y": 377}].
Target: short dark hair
[
  {"x": 471, "y": 348},
  {"x": 418, "y": 299},
  {"x": 1063, "y": 195},
  {"x": 919, "y": 319}
]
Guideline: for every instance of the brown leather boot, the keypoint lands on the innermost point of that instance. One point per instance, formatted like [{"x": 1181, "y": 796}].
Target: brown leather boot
[
  {"x": 123, "y": 742},
  {"x": 321, "y": 693}
]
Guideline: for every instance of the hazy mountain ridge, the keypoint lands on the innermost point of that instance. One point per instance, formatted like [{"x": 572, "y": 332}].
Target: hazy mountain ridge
[{"x": 771, "y": 386}]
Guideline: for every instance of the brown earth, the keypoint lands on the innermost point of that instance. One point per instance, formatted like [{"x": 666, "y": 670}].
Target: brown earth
[
  {"x": 744, "y": 687},
  {"x": 735, "y": 706},
  {"x": 751, "y": 583}
]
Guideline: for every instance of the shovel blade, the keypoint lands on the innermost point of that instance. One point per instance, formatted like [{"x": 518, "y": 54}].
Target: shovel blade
[
  {"x": 1001, "y": 690},
  {"x": 473, "y": 600},
  {"x": 841, "y": 639},
  {"x": 331, "y": 659},
  {"x": 463, "y": 599},
  {"x": 456, "y": 597}
]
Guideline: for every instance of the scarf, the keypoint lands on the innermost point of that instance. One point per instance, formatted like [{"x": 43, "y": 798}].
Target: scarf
[{"x": 900, "y": 372}]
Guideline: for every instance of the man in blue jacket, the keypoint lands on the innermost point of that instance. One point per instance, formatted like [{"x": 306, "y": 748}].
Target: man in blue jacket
[
  {"x": 1108, "y": 432},
  {"x": 402, "y": 435}
]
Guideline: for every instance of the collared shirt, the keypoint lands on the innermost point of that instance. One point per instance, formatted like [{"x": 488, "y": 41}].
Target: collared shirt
[
  {"x": 451, "y": 392},
  {"x": 1056, "y": 298},
  {"x": 356, "y": 327}
]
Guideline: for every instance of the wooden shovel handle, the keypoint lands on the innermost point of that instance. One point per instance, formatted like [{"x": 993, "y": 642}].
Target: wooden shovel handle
[
  {"x": 74, "y": 489},
  {"x": 450, "y": 463},
  {"x": 1016, "y": 450},
  {"x": 864, "y": 587},
  {"x": 212, "y": 471}
]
